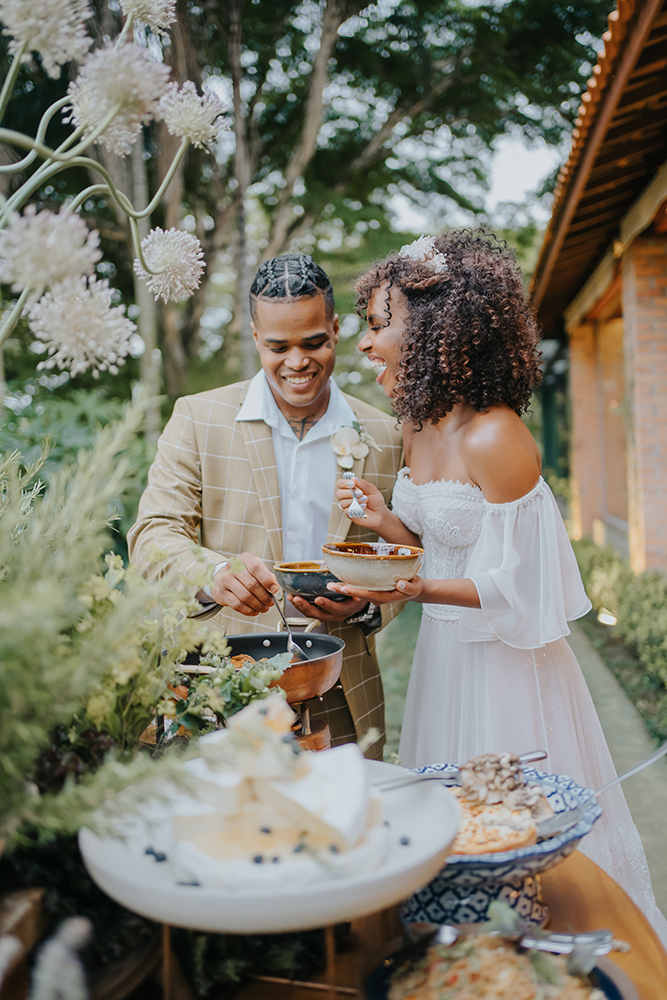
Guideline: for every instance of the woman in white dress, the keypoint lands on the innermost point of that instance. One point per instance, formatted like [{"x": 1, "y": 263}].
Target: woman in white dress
[{"x": 450, "y": 327}]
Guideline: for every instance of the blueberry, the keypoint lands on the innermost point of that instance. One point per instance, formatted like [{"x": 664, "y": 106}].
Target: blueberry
[
  {"x": 274, "y": 861},
  {"x": 258, "y": 859},
  {"x": 298, "y": 848},
  {"x": 265, "y": 829},
  {"x": 404, "y": 841},
  {"x": 333, "y": 848}
]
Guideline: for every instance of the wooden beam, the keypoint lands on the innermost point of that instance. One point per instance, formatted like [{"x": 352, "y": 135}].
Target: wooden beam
[
  {"x": 640, "y": 216},
  {"x": 633, "y": 49},
  {"x": 599, "y": 282}
]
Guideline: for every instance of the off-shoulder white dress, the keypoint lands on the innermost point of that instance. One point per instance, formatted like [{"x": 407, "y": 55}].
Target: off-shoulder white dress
[{"x": 503, "y": 677}]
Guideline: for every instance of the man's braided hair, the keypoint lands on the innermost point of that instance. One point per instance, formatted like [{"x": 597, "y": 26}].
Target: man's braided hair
[{"x": 291, "y": 276}]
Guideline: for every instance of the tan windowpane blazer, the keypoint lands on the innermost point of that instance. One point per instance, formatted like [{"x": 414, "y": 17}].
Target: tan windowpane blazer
[{"x": 214, "y": 483}]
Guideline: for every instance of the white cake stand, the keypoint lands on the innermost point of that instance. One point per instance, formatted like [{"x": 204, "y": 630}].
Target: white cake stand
[{"x": 423, "y": 822}]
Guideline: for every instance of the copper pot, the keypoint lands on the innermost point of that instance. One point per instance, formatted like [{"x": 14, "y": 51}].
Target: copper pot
[{"x": 301, "y": 681}]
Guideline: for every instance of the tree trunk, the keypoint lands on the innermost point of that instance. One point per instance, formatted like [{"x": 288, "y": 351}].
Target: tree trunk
[
  {"x": 147, "y": 318},
  {"x": 335, "y": 13},
  {"x": 242, "y": 175}
]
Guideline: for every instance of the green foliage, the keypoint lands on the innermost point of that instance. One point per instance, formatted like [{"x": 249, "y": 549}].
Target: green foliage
[
  {"x": 70, "y": 424},
  {"x": 639, "y": 602},
  {"x": 67, "y": 632},
  {"x": 224, "y": 691}
]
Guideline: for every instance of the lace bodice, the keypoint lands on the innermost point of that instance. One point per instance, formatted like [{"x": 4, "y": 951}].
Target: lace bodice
[{"x": 447, "y": 516}]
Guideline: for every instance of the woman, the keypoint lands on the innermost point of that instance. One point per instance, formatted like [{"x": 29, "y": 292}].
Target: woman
[{"x": 449, "y": 324}]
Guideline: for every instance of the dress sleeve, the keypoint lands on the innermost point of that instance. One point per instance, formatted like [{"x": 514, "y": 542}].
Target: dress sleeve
[{"x": 526, "y": 574}]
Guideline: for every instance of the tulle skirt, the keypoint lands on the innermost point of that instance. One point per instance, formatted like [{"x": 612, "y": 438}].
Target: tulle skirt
[{"x": 467, "y": 698}]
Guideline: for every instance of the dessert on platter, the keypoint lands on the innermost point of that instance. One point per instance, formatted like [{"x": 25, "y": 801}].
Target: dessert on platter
[
  {"x": 499, "y": 809},
  {"x": 489, "y": 967},
  {"x": 260, "y": 810}
]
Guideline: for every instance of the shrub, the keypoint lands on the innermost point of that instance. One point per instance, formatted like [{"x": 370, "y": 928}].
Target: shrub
[{"x": 639, "y": 602}]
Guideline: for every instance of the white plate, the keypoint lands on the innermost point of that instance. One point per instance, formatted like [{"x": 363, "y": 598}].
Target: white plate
[{"x": 423, "y": 822}]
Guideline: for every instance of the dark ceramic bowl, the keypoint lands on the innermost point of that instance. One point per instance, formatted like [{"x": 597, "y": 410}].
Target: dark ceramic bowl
[{"x": 306, "y": 579}]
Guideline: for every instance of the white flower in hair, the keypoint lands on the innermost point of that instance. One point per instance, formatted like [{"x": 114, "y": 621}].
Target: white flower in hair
[
  {"x": 40, "y": 249},
  {"x": 424, "y": 251},
  {"x": 176, "y": 260},
  {"x": 80, "y": 327},
  {"x": 190, "y": 116},
  {"x": 54, "y": 28},
  {"x": 154, "y": 14},
  {"x": 122, "y": 77}
]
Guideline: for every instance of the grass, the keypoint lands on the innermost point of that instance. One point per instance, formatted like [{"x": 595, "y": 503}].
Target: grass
[{"x": 395, "y": 649}]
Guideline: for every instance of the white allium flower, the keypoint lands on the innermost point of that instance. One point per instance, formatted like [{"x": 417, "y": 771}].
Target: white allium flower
[
  {"x": 122, "y": 76},
  {"x": 39, "y": 249},
  {"x": 154, "y": 14},
  {"x": 176, "y": 260},
  {"x": 190, "y": 116},
  {"x": 54, "y": 28},
  {"x": 80, "y": 327}
]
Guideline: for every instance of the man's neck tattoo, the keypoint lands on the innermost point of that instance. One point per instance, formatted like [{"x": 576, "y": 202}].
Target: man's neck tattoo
[{"x": 302, "y": 426}]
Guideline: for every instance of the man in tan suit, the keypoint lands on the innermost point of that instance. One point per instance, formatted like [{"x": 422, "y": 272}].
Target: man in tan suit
[{"x": 247, "y": 469}]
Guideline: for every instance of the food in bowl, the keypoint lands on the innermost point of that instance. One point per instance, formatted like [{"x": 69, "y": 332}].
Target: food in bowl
[
  {"x": 488, "y": 967},
  {"x": 499, "y": 809},
  {"x": 306, "y": 579},
  {"x": 372, "y": 565}
]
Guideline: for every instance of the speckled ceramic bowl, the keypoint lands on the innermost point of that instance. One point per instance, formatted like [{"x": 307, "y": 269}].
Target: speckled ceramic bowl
[
  {"x": 372, "y": 565},
  {"x": 306, "y": 579}
]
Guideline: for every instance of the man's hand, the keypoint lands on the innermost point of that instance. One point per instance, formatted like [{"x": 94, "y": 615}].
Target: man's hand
[
  {"x": 249, "y": 591},
  {"x": 328, "y": 611}
]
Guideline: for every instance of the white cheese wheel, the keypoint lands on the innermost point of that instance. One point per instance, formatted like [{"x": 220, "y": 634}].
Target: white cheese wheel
[
  {"x": 225, "y": 790},
  {"x": 331, "y": 802}
]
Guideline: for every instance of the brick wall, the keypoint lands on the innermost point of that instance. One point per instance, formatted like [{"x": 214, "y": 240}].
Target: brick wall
[
  {"x": 645, "y": 340},
  {"x": 587, "y": 450}
]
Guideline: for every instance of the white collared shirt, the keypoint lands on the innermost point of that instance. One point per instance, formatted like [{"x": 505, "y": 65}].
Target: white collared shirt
[{"x": 306, "y": 469}]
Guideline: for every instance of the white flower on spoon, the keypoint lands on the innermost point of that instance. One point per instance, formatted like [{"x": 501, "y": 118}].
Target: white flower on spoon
[{"x": 350, "y": 443}]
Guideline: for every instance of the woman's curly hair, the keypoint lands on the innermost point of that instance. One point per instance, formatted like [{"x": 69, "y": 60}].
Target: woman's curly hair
[{"x": 471, "y": 336}]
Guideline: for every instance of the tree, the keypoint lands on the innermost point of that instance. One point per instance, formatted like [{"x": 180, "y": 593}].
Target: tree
[{"x": 339, "y": 107}]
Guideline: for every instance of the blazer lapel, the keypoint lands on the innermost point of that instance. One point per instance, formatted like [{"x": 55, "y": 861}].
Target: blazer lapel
[{"x": 258, "y": 438}]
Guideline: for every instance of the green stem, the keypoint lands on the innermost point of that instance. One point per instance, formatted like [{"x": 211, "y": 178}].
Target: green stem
[
  {"x": 9, "y": 168},
  {"x": 126, "y": 29},
  {"x": 77, "y": 202},
  {"x": 136, "y": 240},
  {"x": 10, "y": 80},
  {"x": 168, "y": 177},
  {"x": 13, "y": 317}
]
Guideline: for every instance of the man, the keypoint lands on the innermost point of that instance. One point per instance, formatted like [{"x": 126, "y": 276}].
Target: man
[{"x": 248, "y": 470}]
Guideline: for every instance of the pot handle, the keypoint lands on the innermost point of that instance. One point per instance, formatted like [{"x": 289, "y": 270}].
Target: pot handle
[{"x": 310, "y": 624}]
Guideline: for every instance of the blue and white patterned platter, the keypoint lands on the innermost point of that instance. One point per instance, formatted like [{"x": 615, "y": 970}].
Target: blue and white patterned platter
[{"x": 465, "y": 887}]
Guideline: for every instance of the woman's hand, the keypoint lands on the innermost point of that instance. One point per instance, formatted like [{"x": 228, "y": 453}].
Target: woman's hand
[
  {"x": 406, "y": 590},
  {"x": 375, "y": 508}
]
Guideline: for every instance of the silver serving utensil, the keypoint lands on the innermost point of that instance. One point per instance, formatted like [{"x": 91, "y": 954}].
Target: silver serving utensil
[
  {"x": 564, "y": 821},
  {"x": 452, "y": 772},
  {"x": 592, "y": 942},
  {"x": 291, "y": 645},
  {"x": 355, "y": 509}
]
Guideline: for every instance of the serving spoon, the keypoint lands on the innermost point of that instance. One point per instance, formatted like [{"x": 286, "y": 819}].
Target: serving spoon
[
  {"x": 564, "y": 821},
  {"x": 292, "y": 647}
]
